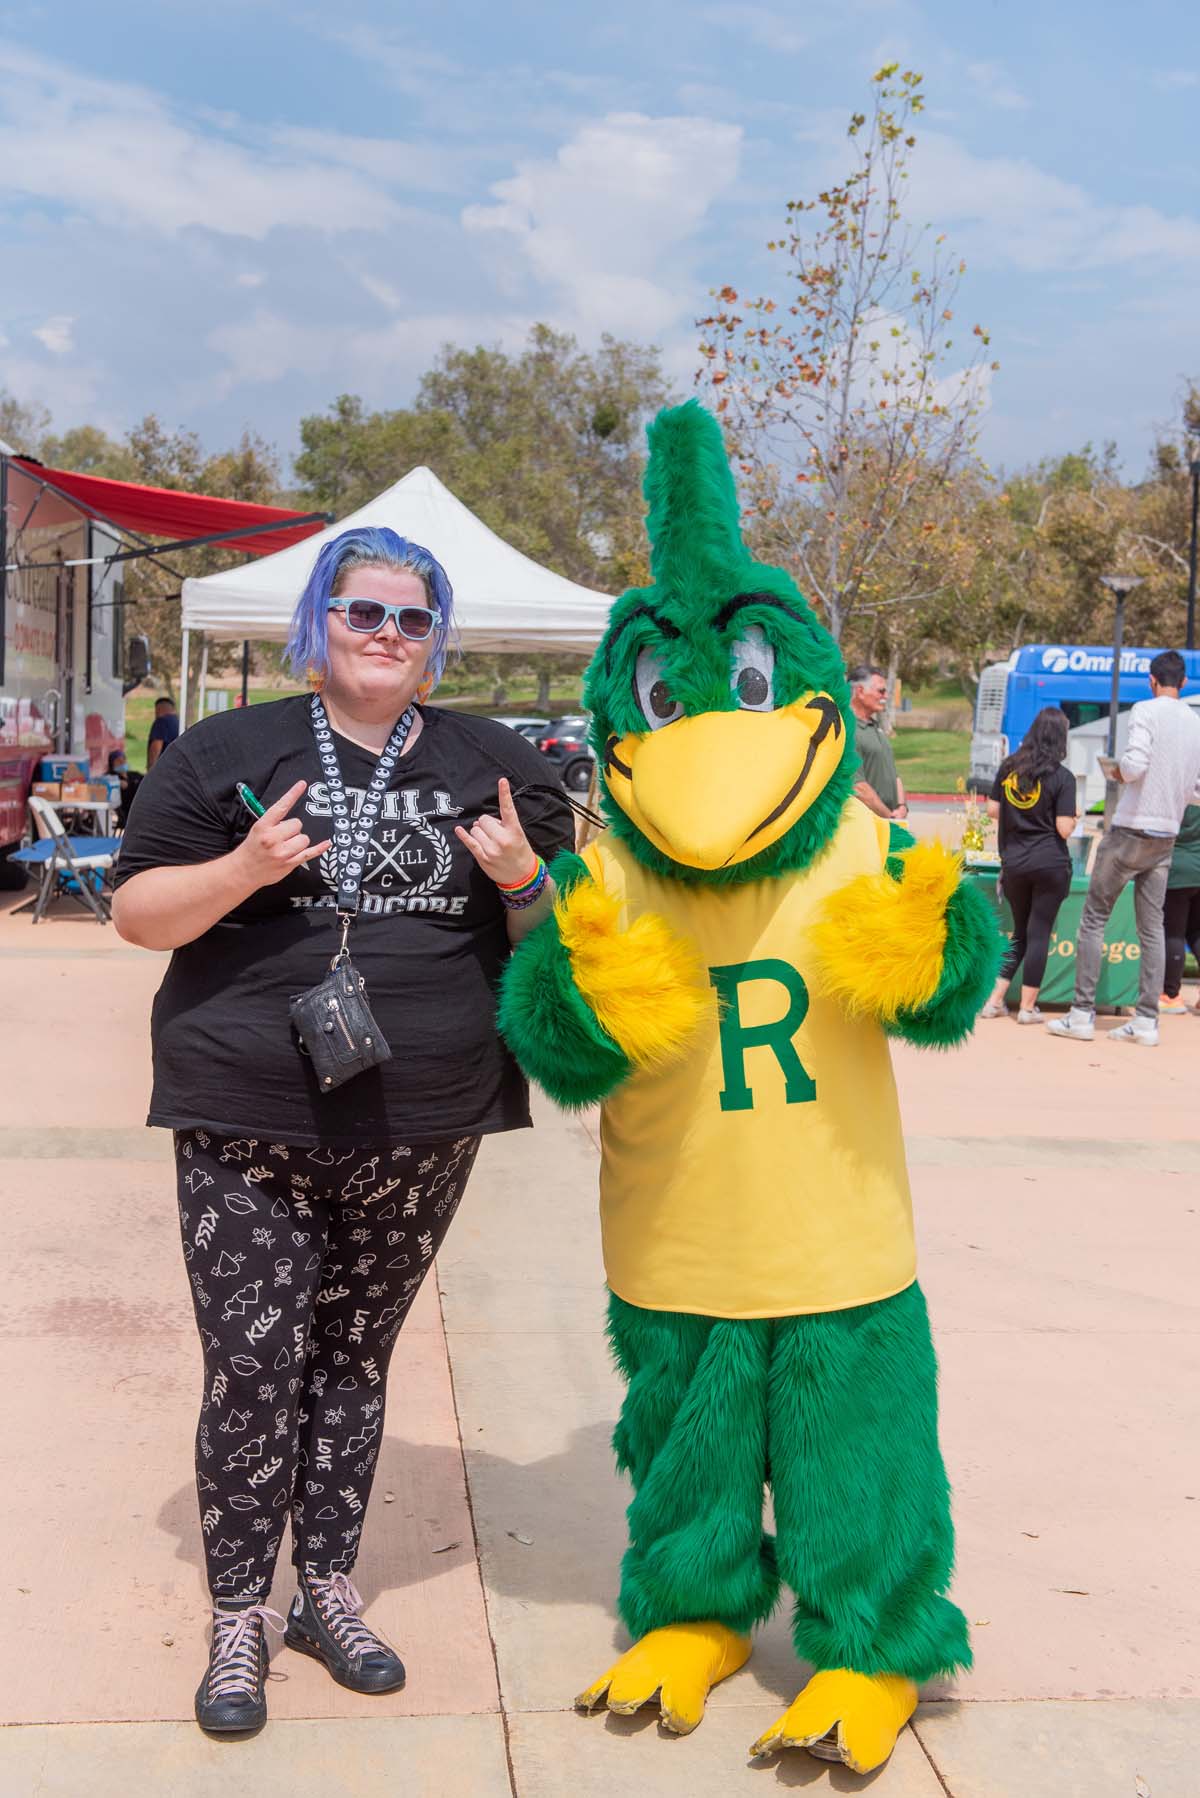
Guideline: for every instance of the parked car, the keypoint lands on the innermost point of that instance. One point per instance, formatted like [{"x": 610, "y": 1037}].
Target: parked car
[
  {"x": 532, "y": 728},
  {"x": 565, "y": 743}
]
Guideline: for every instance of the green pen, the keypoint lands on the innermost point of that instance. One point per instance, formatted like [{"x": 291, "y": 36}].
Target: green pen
[{"x": 252, "y": 805}]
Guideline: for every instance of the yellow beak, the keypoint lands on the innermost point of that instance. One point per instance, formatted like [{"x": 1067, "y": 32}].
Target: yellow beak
[{"x": 713, "y": 790}]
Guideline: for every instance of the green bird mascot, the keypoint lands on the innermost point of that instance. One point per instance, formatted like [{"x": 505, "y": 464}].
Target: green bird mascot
[{"x": 722, "y": 971}]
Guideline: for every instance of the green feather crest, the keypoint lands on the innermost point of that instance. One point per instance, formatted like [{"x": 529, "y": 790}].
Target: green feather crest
[{"x": 689, "y": 620}]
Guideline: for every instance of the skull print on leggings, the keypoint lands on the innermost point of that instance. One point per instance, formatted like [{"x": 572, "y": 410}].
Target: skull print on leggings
[{"x": 303, "y": 1264}]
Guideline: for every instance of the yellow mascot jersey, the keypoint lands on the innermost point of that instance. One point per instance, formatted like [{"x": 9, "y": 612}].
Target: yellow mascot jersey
[{"x": 762, "y": 1174}]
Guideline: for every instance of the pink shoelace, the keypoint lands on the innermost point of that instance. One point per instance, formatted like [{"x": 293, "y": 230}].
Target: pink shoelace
[
  {"x": 340, "y": 1602},
  {"x": 236, "y": 1637}
]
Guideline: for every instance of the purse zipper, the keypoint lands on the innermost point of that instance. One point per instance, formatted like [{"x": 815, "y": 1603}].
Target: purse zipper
[{"x": 336, "y": 1009}]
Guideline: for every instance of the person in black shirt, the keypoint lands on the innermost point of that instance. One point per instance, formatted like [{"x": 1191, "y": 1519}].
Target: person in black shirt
[
  {"x": 1034, "y": 799},
  {"x": 309, "y": 1217}
]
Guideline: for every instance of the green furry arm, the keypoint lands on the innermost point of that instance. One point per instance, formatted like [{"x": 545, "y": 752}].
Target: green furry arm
[
  {"x": 970, "y": 963},
  {"x": 545, "y": 1020}
]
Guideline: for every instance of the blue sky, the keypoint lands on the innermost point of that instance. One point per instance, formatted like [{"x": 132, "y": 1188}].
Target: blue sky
[{"x": 231, "y": 215}]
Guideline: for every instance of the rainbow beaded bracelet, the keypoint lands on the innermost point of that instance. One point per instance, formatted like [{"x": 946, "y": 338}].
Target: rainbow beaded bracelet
[{"x": 527, "y": 891}]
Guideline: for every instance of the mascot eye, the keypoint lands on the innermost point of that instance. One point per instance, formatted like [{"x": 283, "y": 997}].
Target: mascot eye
[
  {"x": 652, "y": 692},
  {"x": 752, "y": 671}
]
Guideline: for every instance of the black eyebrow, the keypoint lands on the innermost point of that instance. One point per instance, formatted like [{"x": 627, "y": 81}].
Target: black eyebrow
[
  {"x": 664, "y": 624},
  {"x": 741, "y": 600}
]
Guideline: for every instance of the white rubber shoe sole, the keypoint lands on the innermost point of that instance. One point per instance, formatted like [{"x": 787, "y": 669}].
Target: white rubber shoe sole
[{"x": 1128, "y": 1033}]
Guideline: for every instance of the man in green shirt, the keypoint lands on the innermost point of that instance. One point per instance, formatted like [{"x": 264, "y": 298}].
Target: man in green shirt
[{"x": 878, "y": 786}]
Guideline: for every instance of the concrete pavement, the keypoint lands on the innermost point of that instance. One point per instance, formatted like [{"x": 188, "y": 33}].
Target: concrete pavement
[{"x": 1056, "y": 1196}]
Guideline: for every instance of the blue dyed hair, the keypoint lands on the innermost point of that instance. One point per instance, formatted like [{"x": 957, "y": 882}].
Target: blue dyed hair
[{"x": 370, "y": 546}]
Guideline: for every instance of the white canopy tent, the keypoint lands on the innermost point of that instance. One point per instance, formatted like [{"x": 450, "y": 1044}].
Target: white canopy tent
[{"x": 502, "y": 600}]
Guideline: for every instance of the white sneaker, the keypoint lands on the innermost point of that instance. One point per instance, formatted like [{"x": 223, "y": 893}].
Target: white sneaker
[
  {"x": 1033, "y": 1016},
  {"x": 1078, "y": 1024},
  {"x": 1137, "y": 1030}
]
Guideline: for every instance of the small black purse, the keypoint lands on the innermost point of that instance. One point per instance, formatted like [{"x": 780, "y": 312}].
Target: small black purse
[{"x": 336, "y": 1029}]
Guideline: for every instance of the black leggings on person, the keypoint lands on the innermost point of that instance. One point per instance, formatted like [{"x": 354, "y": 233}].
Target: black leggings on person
[
  {"x": 303, "y": 1264},
  {"x": 1181, "y": 924},
  {"x": 1033, "y": 899}
]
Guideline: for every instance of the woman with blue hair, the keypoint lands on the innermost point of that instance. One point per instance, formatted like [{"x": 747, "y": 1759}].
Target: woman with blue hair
[{"x": 339, "y": 876}]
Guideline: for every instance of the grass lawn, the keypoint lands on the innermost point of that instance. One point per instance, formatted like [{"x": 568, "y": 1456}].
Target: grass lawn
[
  {"x": 139, "y": 716},
  {"x": 931, "y": 761},
  {"x": 937, "y": 693}
]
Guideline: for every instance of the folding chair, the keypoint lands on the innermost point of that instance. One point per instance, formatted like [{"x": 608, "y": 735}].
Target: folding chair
[{"x": 66, "y": 864}]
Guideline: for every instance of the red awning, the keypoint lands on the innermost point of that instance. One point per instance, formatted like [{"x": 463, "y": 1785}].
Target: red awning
[{"x": 175, "y": 516}]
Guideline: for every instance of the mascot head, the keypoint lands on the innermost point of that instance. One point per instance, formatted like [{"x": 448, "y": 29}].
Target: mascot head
[{"x": 721, "y": 711}]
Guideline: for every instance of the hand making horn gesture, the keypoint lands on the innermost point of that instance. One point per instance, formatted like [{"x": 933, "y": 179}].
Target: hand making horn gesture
[
  {"x": 278, "y": 844},
  {"x": 500, "y": 845}
]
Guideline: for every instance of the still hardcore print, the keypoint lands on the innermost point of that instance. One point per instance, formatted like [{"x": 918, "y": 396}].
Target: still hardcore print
[{"x": 407, "y": 858}]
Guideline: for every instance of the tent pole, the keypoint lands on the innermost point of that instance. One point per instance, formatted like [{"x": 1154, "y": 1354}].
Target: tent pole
[
  {"x": 202, "y": 684},
  {"x": 183, "y": 680},
  {"x": 245, "y": 673}
]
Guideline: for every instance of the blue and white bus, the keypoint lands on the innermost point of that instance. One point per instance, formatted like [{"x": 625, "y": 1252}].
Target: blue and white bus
[{"x": 1077, "y": 677}]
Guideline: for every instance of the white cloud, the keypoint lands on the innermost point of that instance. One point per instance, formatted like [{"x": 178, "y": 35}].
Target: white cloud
[
  {"x": 268, "y": 346},
  {"x": 761, "y": 25},
  {"x": 114, "y": 151},
  {"x": 392, "y": 162},
  {"x": 1177, "y": 78},
  {"x": 68, "y": 390},
  {"x": 1004, "y": 210},
  {"x": 249, "y": 279},
  {"x": 382, "y": 291},
  {"x": 55, "y": 334},
  {"x": 993, "y": 85},
  {"x": 606, "y": 221},
  {"x": 409, "y": 68}
]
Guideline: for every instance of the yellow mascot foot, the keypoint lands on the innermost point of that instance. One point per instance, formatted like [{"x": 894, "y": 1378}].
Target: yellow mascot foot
[
  {"x": 681, "y": 1662},
  {"x": 851, "y": 1717}
]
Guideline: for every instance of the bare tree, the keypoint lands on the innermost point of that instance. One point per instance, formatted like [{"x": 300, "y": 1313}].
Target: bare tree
[{"x": 849, "y": 411}]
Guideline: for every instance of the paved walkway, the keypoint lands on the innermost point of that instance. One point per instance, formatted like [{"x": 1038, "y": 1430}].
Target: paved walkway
[{"x": 1059, "y": 1256}]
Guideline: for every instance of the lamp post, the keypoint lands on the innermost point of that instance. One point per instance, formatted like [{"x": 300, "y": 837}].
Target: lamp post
[
  {"x": 1120, "y": 586},
  {"x": 1194, "y": 468}
]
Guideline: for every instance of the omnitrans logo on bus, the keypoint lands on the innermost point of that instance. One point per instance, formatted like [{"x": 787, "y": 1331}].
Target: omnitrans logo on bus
[{"x": 1093, "y": 661}]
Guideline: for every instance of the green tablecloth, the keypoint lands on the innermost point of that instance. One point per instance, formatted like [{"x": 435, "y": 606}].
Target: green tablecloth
[{"x": 1122, "y": 952}]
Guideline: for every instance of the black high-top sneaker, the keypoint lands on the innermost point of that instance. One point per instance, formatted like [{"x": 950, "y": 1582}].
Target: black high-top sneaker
[
  {"x": 231, "y": 1699},
  {"x": 324, "y": 1621}
]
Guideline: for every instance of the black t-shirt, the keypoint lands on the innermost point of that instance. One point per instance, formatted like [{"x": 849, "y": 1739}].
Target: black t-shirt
[
  {"x": 430, "y": 936},
  {"x": 1028, "y": 838}
]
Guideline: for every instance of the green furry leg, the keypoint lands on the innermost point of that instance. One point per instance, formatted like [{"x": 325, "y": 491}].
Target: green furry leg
[
  {"x": 693, "y": 1438},
  {"x": 862, "y": 1505}
]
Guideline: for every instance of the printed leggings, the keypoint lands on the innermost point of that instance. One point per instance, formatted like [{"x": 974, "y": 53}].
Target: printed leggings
[{"x": 303, "y": 1264}]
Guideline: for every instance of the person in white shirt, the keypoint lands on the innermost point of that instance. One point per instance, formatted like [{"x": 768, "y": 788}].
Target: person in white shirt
[{"x": 1160, "y": 777}]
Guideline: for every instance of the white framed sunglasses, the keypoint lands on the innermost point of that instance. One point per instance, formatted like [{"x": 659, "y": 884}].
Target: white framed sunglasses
[{"x": 370, "y": 615}]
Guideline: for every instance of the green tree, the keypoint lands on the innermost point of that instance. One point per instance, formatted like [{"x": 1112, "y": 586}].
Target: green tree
[
  {"x": 544, "y": 445},
  {"x": 22, "y": 425},
  {"x": 86, "y": 449},
  {"x": 160, "y": 458}
]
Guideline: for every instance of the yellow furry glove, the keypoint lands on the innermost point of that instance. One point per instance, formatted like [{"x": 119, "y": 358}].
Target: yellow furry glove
[
  {"x": 645, "y": 985},
  {"x": 879, "y": 941}
]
